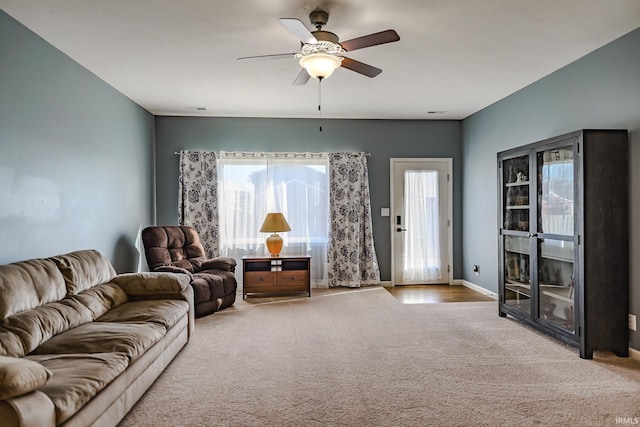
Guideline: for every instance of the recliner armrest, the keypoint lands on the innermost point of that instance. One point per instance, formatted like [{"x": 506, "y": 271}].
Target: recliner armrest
[
  {"x": 219, "y": 263},
  {"x": 172, "y": 269},
  {"x": 152, "y": 283}
]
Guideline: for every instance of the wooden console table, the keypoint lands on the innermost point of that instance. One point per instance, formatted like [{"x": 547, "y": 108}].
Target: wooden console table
[{"x": 282, "y": 274}]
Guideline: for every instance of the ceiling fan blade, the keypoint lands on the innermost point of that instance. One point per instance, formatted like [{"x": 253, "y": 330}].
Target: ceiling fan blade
[
  {"x": 267, "y": 57},
  {"x": 299, "y": 30},
  {"x": 374, "y": 39},
  {"x": 360, "y": 67},
  {"x": 303, "y": 78}
]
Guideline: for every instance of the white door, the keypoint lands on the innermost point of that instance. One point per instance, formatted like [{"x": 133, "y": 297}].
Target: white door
[{"x": 421, "y": 210}]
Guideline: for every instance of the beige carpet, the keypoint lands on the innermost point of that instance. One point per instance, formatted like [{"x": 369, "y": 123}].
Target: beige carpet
[{"x": 360, "y": 358}]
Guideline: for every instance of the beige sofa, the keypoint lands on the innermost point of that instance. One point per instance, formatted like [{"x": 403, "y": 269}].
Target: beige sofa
[{"x": 79, "y": 345}]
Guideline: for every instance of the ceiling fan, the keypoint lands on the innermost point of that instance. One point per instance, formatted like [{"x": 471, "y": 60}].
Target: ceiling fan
[{"x": 322, "y": 52}]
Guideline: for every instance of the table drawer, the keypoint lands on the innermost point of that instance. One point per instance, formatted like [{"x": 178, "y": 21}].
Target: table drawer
[
  {"x": 258, "y": 279},
  {"x": 293, "y": 279}
]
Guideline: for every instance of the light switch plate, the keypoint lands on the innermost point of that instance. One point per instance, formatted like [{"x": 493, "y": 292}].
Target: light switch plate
[{"x": 384, "y": 211}]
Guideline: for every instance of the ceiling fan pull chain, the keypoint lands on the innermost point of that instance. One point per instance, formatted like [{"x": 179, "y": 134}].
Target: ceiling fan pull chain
[{"x": 320, "y": 101}]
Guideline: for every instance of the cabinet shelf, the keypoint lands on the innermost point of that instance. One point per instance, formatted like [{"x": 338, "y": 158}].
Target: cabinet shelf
[
  {"x": 518, "y": 207},
  {"x": 516, "y": 184},
  {"x": 518, "y": 286},
  {"x": 543, "y": 256},
  {"x": 517, "y": 251},
  {"x": 557, "y": 258},
  {"x": 557, "y": 292}
]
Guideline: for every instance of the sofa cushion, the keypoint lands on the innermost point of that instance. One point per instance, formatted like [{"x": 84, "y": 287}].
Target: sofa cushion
[
  {"x": 10, "y": 343},
  {"x": 33, "y": 327},
  {"x": 163, "y": 312},
  {"x": 19, "y": 376},
  {"x": 84, "y": 269},
  {"x": 22, "y": 333},
  {"x": 77, "y": 378},
  {"x": 101, "y": 298},
  {"x": 105, "y": 337},
  {"x": 28, "y": 284}
]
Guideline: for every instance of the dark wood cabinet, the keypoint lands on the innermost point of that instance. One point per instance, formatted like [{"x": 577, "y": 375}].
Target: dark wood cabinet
[
  {"x": 269, "y": 275},
  {"x": 564, "y": 242}
]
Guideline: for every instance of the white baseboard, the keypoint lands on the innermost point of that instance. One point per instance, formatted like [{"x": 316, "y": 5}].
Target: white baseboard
[
  {"x": 634, "y": 354},
  {"x": 479, "y": 289}
]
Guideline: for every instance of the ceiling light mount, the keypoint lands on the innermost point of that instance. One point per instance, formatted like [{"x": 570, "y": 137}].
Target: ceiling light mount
[{"x": 319, "y": 18}]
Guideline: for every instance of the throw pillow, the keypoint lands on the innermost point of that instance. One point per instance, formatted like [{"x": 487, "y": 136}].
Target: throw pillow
[{"x": 19, "y": 376}]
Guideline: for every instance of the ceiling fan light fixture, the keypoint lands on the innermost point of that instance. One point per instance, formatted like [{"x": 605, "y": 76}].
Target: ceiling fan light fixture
[{"x": 320, "y": 65}]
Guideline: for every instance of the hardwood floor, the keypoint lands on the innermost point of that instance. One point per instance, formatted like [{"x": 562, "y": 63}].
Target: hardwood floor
[
  {"x": 406, "y": 294},
  {"x": 433, "y": 294}
]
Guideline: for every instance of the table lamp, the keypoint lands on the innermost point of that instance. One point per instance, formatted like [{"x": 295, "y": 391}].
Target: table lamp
[{"x": 274, "y": 223}]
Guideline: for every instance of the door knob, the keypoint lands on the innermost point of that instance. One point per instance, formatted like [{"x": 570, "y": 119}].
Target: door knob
[{"x": 401, "y": 229}]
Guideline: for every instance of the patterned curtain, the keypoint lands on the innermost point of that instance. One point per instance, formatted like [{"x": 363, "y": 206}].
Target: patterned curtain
[
  {"x": 198, "y": 197},
  {"x": 351, "y": 257}
]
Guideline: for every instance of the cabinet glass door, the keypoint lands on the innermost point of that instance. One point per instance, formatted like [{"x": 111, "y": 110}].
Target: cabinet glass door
[
  {"x": 516, "y": 194},
  {"x": 555, "y": 191},
  {"x": 555, "y": 237},
  {"x": 556, "y": 282},
  {"x": 517, "y": 277}
]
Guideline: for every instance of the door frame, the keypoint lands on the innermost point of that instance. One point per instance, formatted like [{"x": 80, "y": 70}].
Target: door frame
[{"x": 448, "y": 161}]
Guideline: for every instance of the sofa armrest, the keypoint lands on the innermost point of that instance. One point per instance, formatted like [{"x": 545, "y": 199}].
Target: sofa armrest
[
  {"x": 219, "y": 263},
  {"x": 33, "y": 409},
  {"x": 20, "y": 402},
  {"x": 152, "y": 283}
]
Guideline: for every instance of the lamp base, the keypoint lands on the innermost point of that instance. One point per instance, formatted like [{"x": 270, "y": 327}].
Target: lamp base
[{"x": 274, "y": 244}]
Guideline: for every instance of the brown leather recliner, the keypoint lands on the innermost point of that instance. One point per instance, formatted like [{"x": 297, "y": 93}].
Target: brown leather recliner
[{"x": 178, "y": 249}]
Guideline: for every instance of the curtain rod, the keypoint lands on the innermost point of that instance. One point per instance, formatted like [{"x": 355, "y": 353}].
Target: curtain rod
[{"x": 177, "y": 153}]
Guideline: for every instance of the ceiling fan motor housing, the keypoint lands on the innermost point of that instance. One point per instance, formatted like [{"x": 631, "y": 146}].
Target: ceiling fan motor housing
[
  {"x": 325, "y": 36},
  {"x": 319, "y": 18}
]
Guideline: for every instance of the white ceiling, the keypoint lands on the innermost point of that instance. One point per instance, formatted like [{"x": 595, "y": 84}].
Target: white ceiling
[{"x": 457, "y": 56}]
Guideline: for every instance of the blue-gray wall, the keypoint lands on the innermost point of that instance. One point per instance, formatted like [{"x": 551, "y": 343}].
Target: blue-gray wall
[
  {"x": 76, "y": 156},
  {"x": 382, "y": 138},
  {"x": 601, "y": 90}
]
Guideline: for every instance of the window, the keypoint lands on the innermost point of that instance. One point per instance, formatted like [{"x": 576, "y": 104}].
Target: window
[{"x": 252, "y": 184}]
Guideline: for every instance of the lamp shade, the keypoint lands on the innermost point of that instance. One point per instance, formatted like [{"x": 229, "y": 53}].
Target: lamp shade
[
  {"x": 274, "y": 222},
  {"x": 320, "y": 65}
]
